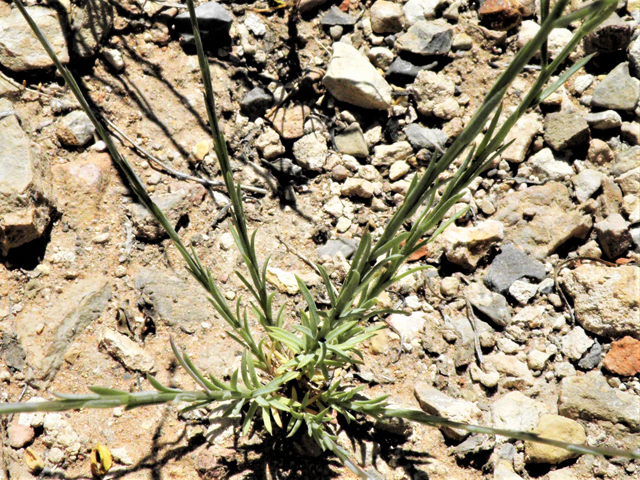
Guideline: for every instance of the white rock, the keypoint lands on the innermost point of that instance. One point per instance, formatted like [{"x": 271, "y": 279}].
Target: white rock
[
  {"x": 511, "y": 366},
  {"x": 545, "y": 166},
  {"x": 576, "y": 343},
  {"x": 311, "y": 152},
  {"x": 352, "y": 79},
  {"x": 466, "y": 246},
  {"x": 522, "y": 135},
  {"x": 416, "y": 10},
  {"x": 285, "y": 282},
  {"x": 523, "y": 291},
  {"x": 409, "y": 326},
  {"x": 269, "y": 144},
  {"x": 398, "y": 170},
  {"x": 586, "y": 183},
  {"x": 514, "y": 411},
  {"x": 126, "y": 351}
]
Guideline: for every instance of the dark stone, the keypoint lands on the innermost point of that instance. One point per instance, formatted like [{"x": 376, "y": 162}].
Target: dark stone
[
  {"x": 510, "y": 265},
  {"x": 618, "y": 91},
  {"x": 12, "y": 352},
  {"x": 612, "y": 35},
  {"x": 346, "y": 246},
  {"x": 500, "y": 15},
  {"x": 213, "y": 21},
  {"x": 256, "y": 102},
  {"x": 335, "y": 16},
  {"x": 402, "y": 72},
  {"x": 422, "y": 137},
  {"x": 592, "y": 358},
  {"x": 426, "y": 38}
]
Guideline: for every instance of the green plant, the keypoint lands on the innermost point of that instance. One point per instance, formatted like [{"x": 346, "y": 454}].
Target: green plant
[{"x": 287, "y": 374}]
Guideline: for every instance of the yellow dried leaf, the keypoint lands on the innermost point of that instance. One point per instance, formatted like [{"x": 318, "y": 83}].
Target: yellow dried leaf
[
  {"x": 101, "y": 460},
  {"x": 34, "y": 463}
]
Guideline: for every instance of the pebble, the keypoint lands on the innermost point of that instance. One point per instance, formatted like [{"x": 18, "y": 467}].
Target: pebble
[
  {"x": 586, "y": 183},
  {"x": 544, "y": 165},
  {"x": 515, "y": 411},
  {"x": 493, "y": 305},
  {"x": 576, "y": 343},
  {"x": 269, "y": 144},
  {"x": 351, "y": 141},
  {"x": 523, "y": 291},
  {"x": 387, "y": 17},
  {"x": 564, "y": 131},
  {"x": 624, "y": 357},
  {"x": 630, "y": 132},
  {"x": 434, "y": 95},
  {"x": 387, "y": 155},
  {"x": 558, "y": 428},
  {"x": 449, "y": 286},
  {"x": 512, "y": 367},
  {"x": 256, "y": 102},
  {"x": 599, "y": 152},
  {"x": 352, "y": 79},
  {"x": 214, "y": 22},
  {"x": 610, "y": 37},
  {"x": 614, "y": 236},
  {"x": 381, "y": 57},
  {"x": 537, "y": 360},
  {"x": 289, "y": 121},
  {"x": 75, "y": 129},
  {"x": 114, "y": 57},
  {"x": 604, "y": 120},
  {"x": 284, "y": 281},
  {"x": 422, "y": 137},
  {"x": 500, "y": 15},
  {"x": 417, "y": 10},
  {"x": 591, "y": 359},
  {"x": 402, "y": 72},
  {"x": 426, "y": 38},
  {"x": 311, "y": 152},
  {"x": 618, "y": 91},
  {"x": 466, "y": 246},
  {"x": 409, "y": 326},
  {"x": 582, "y": 82},
  {"x": 19, "y": 436},
  {"x": 398, "y": 170},
  {"x": 510, "y": 265},
  {"x": 335, "y": 16},
  {"x": 127, "y": 352},
  {"x": 522, "y": 134}
]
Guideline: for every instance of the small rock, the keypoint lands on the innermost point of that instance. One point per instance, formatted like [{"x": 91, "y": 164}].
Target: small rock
[
  {"x": 522, "y": 134},
  {"x": 402, "y": 72},
  {"x": 599, "y": 152},
  {"x": 515, "y": 411},
  {"x": 335, "y": 16},
  {"x": 426, "y": 38},
  {"x": 357, "y": 187},
  {"x": 387, "y": 17},
  {"x": 605, "y": 298},
  {"x": 56, "y": 455},
  {"x": 351, "y": 141},
  {"x": 630, "y": 132},
  {"x": 350, "y": 78},
  {"x": 610, "y": 37},
  {"x": 634, "y": 58},
  {"x": 576, "y": 343},
  {"x": 522, "y": 291},
  {"x": 510, "y": 265},
  {"x": 500, "y": 15},
  {"x": 255, "y": 25},
  {"x": 624, "y": 357},
  {"x": 214, "y": 22},
  {"x": 421, "y": 137},
  {"x": 467, "y": 246},
  {"x": 586, "y": 183},
  {"x": 126, "y": 351},
  {"x": 433, "y": 93},
  {"x": 604, "y": 120},
  {"x": 20, "y": 50},
  {"x": 537, "y": 360},
  {"x": 555, "y": 427},
  {"x": 489, "y": 379},
  {"x": 289, "y": 121},
  {"x": 461, "y": 41},
  {"x": 398, "y": 170},
  {"x": 434, "y": 402},
  {"x": 381, "y": 57},
  {"x": 387, "y": 155},
  {"x": 564, "y": 370},
  {"x": 114, "y": 58},
  {"x": 493, "y": 305},
  {"x": 19, "y": 435},
  {"x": 269, "y": 144},
  {"x": 285, "y": 282},
  {"x": 590, "y": 397},
  {"x": 344, "y": 245},
  {"x": 582, "y": 83},
  {"x": 311, "y": 152},
  {"x": 201, "y": 150},
  {"x": 511, "y": 366},
  {"x": 417, "y": 10},
  {"x": 618, "y": 91},
  {"x": 614, "y": 236},
  {"x": 545, "y": 166},
  {"x": 256, "y": 102},
  {"x": 75, "y": 129},
  {"x": 449, "y": 286},
  {"x": 408, "y": 326},
  {"x": 91, "y": 25},
  {"x": 564, "y": 131}
]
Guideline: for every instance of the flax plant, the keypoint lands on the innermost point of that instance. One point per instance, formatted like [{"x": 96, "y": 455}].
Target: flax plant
[{"x": 290, "y": 370}]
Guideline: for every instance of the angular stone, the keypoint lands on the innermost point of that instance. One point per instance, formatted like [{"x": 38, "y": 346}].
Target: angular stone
[
  {"x": 634, "y": 58},
  {"x": 427, "y": 38},
  {"x": 92, "y": 22},
  {"x": 586, "y": 183},
  {"x": 75, "y": 129},
  {"x": 25, "y": 189},
  {"x": 515, "y": 411},
  {"x": 214, "y": 21},
  {"x": 541, "y": 219},
  {"x": 386, "y": 155},
  {"x": 256, "y": 102},
  {"x": 335, "y": 16},
  {"x": 467, "y": 246},
  {"x": 555, "y": 427},
  {"x": 422, "y": 137},
  {"x": 357, "y": 187},
  {"x": 545, "y": 166},
  {"x": 417, "y": 10},
  {"x": 630, "y": 182},
  {"x": 20, "y": 436},
  {"x": 618, "y": 91},
  {"x": 576, "y": 343},
  {"x": 269, "y": 144},
  {"x": 630, "y": 132},
  {"x": 398, "y": 170},
  {"x": 500, "y": 14},
  {"x": 402, "y": 72},
  {"x": 614, "y": 236},
  {"x": 624, "y": 357},
  {"x": 431, "y": 91},
  {"x": 284, "y": 281},
  {"x": 493, "y": 305},
  {"x": 523, "y": 291},
  {"x": 512, "y": 367},
  {"x": 344, "y": 245},
  {"x": 522, "y": 134},
  {"x": 20, "y": 50},
  {"x": 311, "y": 152},
  {"x": 510, "y": 265},
  {"x": 611, "y": 36},
  {"x": 589, "y": 397},
  {"x": 605, "y": 298},
  {"x": 409, "y": 326},
  {"x": 126, "y": 351},
  {"x": 434, "y": 402},
  {"x": 351, "y": 141},
  {"x": 350, "y": 78},
  {"x": 592, "y": 358},
  {"x": 564, "y": 131},
  {"x": 289, "y": 121},
  {"x": 604, "y": 120},
  {"x": 386, "y": 17}
]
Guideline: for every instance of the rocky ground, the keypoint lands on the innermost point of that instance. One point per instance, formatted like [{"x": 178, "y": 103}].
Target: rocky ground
[{"x": 328, "y": 114}]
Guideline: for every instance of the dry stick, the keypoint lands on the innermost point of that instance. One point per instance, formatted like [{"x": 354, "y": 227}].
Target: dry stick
[
  {"x": 19, "y": 86},
  {"x": 298, "y": 254},
  {"x": 175, "y": 173}
]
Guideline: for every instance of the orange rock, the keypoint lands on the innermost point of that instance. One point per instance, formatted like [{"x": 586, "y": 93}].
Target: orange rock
[
  {"x": 624, "y": 357},
  {"x": 501, "y": 14}
]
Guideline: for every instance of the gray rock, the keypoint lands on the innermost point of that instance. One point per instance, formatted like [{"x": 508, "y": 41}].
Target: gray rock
[
  {"x": 626, "y": 160},
  {"x": 174, "y": 205},
  {"x": 20, "y": 50},
  {"x": 611, "y": 36},
  {"x": 344, "y": 245},
  {"x": 510, "y": 265},
  {"x": 350, "y": 78},
  {"x": 630, "y": 132},
  {"x": 605, "y": 298},
  {"x": 417, "y": 10},
  {"x": 634, "y": 58},
  {"x": 434, "y": 95},
  {"x": 91, "y": 23},
  {"x": 589, "y": 397},
  {"x": 386, "y": 17},
  {"x": 614, "y": 236},
  {"x": 422, "y": 137},
  {"x": 514, "y": 411},
  {"x": 75, "y": 129},
  {"x": 592, "y": 358},
  {"x": 402, "y": 72},
  {"x": 564, "y": 131},
  {"x": 311, "y": 152},
  {"x": 213, "y": 21},
  {"x": 351, "y": 141},
  {"x": 604, "y": 120},
  {"x": 465, "y": 352},
  {"x": 256, "y": 102},
  {"x": 427, "y": 38},
  {"x": 25, "y": 189},
  {"x": 335, "y": 16},
  {"x": 171, "y": 301},
  {"x": 544, "y": 165},
  {"x": 582, "y": 82},
  {"x": 542, "y": 218},
  {"x": 434, "y": 402},
  {"x": 13, "y": 354},
  {"x": 586, "y": 183},
  {"x": 493, "y": 305},
  {"x": 618, "y": 91}
]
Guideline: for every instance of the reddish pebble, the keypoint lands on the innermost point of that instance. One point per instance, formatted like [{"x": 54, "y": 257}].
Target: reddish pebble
[
  {"x": 501, "y": 14},
  {"x": 20, "y": 435},
  {"x": 624, "y": 357},
  {"x": 339, "y": 173}
]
